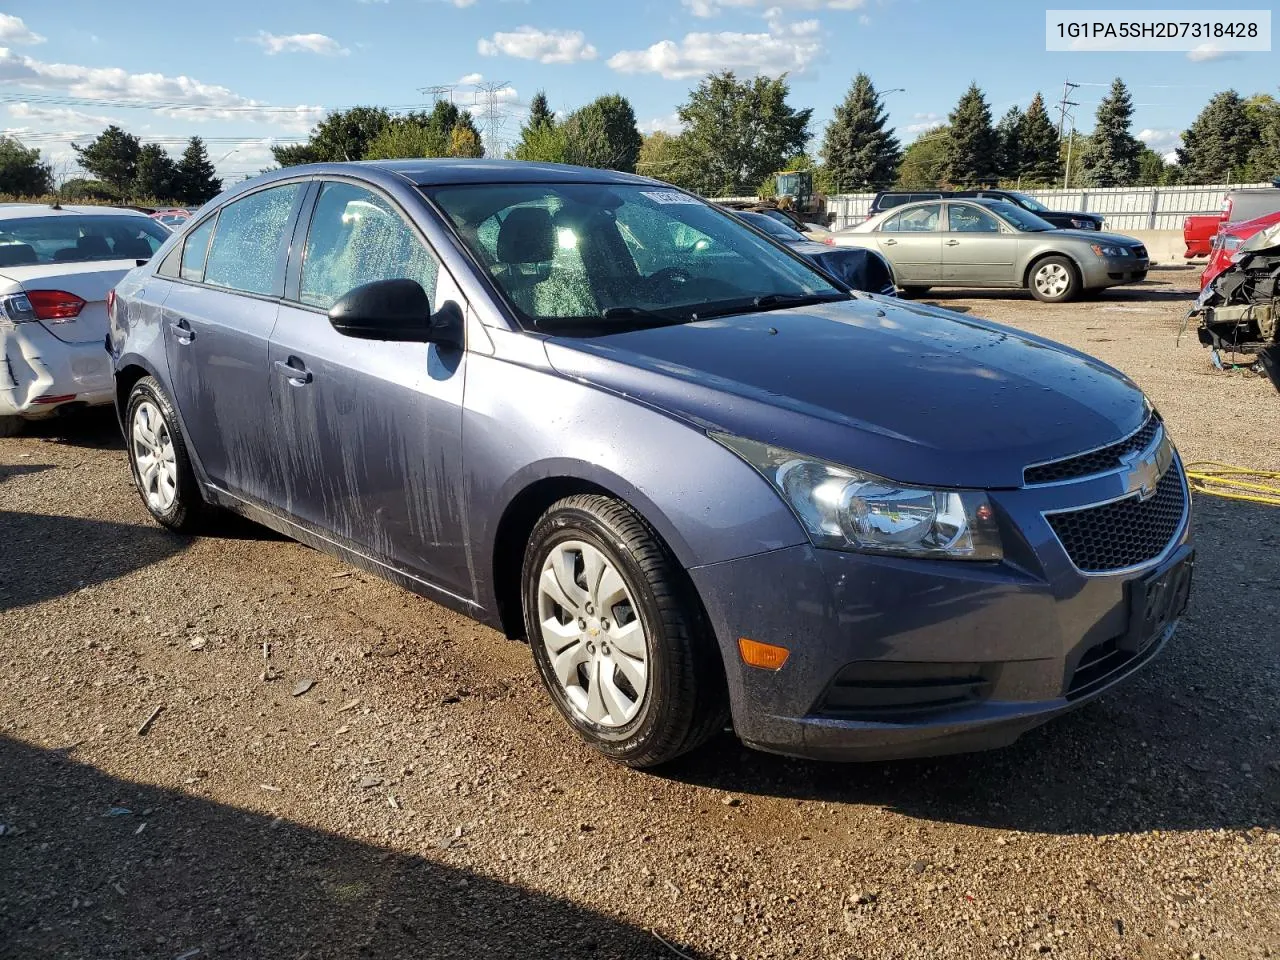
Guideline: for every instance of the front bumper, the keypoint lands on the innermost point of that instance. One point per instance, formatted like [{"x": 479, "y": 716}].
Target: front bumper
[
  {"x": 1113, "y": 271},
  {"x": 953, "y": 656},
  {"x": 36, "y": 367}
]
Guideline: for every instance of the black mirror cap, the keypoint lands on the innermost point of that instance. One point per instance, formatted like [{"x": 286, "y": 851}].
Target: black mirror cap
[{"x": 396, "y": 310}]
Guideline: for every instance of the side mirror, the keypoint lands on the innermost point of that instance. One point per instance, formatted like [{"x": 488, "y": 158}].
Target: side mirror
[{"x": 397, "y": 311}]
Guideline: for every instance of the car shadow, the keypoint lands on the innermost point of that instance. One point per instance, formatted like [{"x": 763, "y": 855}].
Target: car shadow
[
  {"x": 1140, "y": 293},
  {"x": 94, "y": 429},
  {"x": 95, "y": 866},
  {"x": 1190, "y": 743}
]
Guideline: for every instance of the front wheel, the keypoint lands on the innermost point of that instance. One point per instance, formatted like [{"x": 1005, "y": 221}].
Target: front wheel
[
  {"x": 1054, "y": 280},
  {"x": 618, "y": 637},
  {"x": 159, "y": 461},
  {"x": 10, "y": 426}
]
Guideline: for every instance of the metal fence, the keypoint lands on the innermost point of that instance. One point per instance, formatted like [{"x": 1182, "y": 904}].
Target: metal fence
[{"x": 1125, "y": 208}]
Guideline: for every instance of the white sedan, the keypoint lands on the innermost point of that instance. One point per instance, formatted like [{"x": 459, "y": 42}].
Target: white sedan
[{"x": 57, "y": 265}]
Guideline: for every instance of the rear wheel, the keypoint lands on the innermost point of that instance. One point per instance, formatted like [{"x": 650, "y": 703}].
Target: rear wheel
[
  {"x": 618, "y": 638},
  {"x": 1054, "y": 280},
  {"x": 159, "y": 461}
]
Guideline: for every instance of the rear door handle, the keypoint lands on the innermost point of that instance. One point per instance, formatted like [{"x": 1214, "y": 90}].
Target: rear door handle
[
  {"x": 952, "y": 243},
  {"x": 890, "y": 242},
  {"x": 294, "y": 370},
  {"x": 182, "y": 330}
]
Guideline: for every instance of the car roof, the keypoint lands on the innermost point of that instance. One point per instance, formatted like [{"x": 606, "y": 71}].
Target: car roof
[
  {"x": 14, "y": 211},
  {"x": 449, "y": 170}
]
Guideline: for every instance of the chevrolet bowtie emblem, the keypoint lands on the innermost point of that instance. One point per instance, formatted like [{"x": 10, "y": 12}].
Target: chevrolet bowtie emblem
[{"x": 1143, "y": 471}]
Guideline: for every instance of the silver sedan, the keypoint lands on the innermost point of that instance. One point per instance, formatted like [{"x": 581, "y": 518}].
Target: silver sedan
[{"x": 991, "y": 243}]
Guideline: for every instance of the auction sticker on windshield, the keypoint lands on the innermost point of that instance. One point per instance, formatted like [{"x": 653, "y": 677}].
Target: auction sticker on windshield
[{"x": 669, "y": 196}]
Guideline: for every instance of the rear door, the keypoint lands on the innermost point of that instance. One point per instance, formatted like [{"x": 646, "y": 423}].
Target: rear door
[
  {"x": 911, "y": 240},
  {"x": 368, "y": 434},
  {"x": 977, "y": 248},
  {"x": 218, "y": 319}
]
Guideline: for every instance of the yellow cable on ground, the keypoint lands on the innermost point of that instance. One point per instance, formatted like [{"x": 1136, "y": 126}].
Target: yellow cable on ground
[{"x": 1234, "y": 483}]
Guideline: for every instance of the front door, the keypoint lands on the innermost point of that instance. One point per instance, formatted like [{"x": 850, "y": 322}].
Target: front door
[
  {"x": 218, "y": 319},
  {"x": 977, "y": 248},
  {"x": 369, "y": 433},
  {"x": 911, "y": 240}
]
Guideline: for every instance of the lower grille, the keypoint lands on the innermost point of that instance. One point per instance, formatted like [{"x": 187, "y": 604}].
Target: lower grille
[
  {"x": 886, "y": 691},
  {"x": 1124, "y": 533},
  {"x": 1104, "y": 663}
]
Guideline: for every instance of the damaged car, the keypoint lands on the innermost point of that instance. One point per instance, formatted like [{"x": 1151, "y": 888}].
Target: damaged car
[
  {"x": 1239, "y": 310},
  {"x": 58, "y": 265}
]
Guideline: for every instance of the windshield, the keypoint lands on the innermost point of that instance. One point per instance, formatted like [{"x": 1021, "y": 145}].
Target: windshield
[
  {"x": 774, "y": 228},
  {"x": 615, "y": 252},
  {"x": 1029, "y": 203},
  {"x": 1022, "y": 219},
  {"x": 72, "y": 238}
]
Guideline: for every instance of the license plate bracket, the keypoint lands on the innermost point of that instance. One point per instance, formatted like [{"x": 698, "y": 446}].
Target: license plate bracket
[{"x": 1157, "y": 600}]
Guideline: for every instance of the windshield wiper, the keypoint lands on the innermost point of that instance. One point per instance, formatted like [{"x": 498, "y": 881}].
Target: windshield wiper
[
  {"x": 613, "y": 320},
  {"x": 769, "y": 301}
]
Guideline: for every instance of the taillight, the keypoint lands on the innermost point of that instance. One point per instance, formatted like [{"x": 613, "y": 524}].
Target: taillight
[{"x": 56, "y": 305}]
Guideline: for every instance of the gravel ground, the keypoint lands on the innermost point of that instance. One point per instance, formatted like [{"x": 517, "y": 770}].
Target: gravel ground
[{"x": 422, "y": 798}]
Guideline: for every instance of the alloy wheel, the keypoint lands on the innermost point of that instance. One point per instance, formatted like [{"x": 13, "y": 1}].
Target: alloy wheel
[
  {"x": 593, "y": 635},
  {"x": 154, "y": 456}
]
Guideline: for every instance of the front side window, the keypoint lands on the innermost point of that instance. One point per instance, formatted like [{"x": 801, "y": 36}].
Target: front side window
[
  {"x": 195, "y": 248},
  {"x": 962, "y": 218},
  {"x": 78, "y": 238},
  {"x": 916, "y": 220},
  {"x": 357, "y": 237},
  {"x": 606, "y": 252},
  {"x": 1022, "y": 219},
  {"x": 250, "y": 236}
]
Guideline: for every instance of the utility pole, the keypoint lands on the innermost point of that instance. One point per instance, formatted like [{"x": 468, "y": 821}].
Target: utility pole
[
  {"x": 443, "y": 91},
  {"x": 1064, "y": 114},
  {"x": 493, "y": 114}
]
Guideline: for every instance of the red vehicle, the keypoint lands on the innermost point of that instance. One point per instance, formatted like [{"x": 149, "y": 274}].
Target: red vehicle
[
  {"x": 1228, "y": 240},
  {"x": 1239, "y": 205},
  {"x": 1198, "y": 232}
]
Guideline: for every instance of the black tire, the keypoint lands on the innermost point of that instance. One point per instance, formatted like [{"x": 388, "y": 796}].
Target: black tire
[
  {"x": 1057, "y": 263},
  {"x": 10, "y": 426},
  {"x": 685, "y": 701},
  {"x": 914, "y": 292},
  {"x": 188, "y": 509}
]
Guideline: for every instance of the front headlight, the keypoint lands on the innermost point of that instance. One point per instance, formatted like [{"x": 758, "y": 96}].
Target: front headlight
[
  {"x": 1109, "y": 251},
  {"x": 846, "y": 509},
  {"x": 1086, "y": 224}
]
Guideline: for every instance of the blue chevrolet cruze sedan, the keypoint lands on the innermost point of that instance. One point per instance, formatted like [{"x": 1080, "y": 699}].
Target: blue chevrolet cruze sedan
[{"x": 703, "y": 479}]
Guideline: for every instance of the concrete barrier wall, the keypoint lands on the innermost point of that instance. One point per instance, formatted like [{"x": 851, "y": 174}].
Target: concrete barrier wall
[{"x": 1165, "y": 246}]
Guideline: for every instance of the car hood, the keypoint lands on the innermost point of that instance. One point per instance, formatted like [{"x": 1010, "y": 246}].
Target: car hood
[
  {"x": 914, "y": 393},
  {"x": 1097, "y": 236}
]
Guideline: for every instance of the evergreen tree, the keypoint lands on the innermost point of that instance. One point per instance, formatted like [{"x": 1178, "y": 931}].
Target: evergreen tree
[
  {"x": 22, "y": 173},
  {"x": 603, "y": 134},
  {"x": 971, "y": 145},
  {"x": 1216, "y": 148},
  {"x": 924, "y": 163},
  {"x": 858, "y": 153},
  {"x": 1151, "y": 168},
  {"x": 194, "y": 179},
  {"x": 156, "y": 173},
  {"x": 739, "y": 132},
  {"x": 1009, "y": 145},
  {"x": 112, "y": 157},
  {"x": 1111, "y": 157},
  {"x": 1039, "y": 146},
  {"x": 545, "y": 143},
  {"x": 540, "y": 114}
]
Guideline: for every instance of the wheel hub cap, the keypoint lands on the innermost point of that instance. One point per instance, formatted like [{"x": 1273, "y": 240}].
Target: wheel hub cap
[
  {"x": 1052, "y": 279},
  {"x": 593, "y": 636},
  {"x": 154, "y": 456}
]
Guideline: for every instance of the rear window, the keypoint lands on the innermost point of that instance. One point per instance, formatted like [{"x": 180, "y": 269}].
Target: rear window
[{"x": 72, "y": 238}]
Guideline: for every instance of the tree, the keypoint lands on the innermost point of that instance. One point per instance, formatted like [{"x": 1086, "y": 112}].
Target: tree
[
  {"x": 112, "y": 157},
  {"x": 664, "y": 157},
  {"x": 924, "y": 163},
  {"x": 739, "y": 132},
  {"x": 546, "y": 143},
  {"x": 857, "y": 152},
  {"x": 22, "y": 173},
  {"x": 540, "y": 114},
  {"x": 1073, "y": 148},
  {"x": 342, "y": 135},
  {"x": 464, "y": 141},
  {"x": 1216, "y": 147},
  {"x": 1111, "y": 158},
  {"x": 971, "y": 146},
  {"x": 194, "y": 179},
  {"x": 1264, "y": 156},
  {"x": 156, "y": 173},
  {"x": 401, "y": 140},
  {"x": 603, "y": 134},
  {"x": 1039, "y": 146},
  {"x": 1009, "y": 145},
  {"x": 1151, "y": 168}
]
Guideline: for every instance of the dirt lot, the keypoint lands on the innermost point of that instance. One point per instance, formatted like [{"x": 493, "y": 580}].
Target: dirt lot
[{"x": 423, "y": 799}]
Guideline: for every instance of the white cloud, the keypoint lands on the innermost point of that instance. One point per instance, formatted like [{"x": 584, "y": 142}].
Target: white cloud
[
  {"x": 59, "y": 116},
  {"x": 710, "y": 8},
  {"x": 545, "y": 46},
  {"x": 1163, "y": 141},
  {"x": 470, "y": 78},
  {"x": 1209, "y": 51},
  {"x": 14, "y": 31},
  {"x": 786, "y": 48},
  {"x": 668, "y": 124},
  {"x": 274, "y": 43},
  {"x": 864, "y": 19}
]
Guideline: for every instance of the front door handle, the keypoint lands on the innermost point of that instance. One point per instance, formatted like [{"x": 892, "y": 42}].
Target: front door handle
[
  {"x": 952, "y": 243},
  {"x": 890, "y": 242},
  {"x": 182, "y": 330},
  {"x": 294, "y": 370}
]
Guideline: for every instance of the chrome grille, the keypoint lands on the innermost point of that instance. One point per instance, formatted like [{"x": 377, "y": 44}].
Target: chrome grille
[
  {"x": 1096, "y": 461},
  {"x": 1124, "y": 533}
]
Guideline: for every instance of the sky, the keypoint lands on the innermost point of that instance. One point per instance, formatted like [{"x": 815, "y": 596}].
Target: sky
[{"x": 246, "y": 73}]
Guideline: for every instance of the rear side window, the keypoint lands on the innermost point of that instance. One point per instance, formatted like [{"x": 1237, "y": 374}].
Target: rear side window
[
  {"x": 195, "y": 249},
  {"x": 250, "y": 236},
  {"x": 357, "y": 237}
]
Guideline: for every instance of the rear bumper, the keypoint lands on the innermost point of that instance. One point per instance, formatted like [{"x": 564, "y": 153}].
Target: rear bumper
[{"x": 40, "y": 373}]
